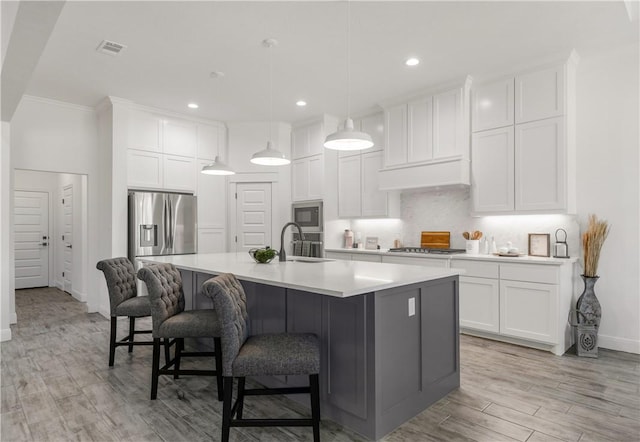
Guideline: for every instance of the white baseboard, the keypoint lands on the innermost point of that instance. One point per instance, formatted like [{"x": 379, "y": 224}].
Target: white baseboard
[
  {"x": 79, "y": 296},
  {"x": 58, "y": 285},
  {"x": 5, "y": 335},
  {"x": 619, "y": 344},
  {"x": 106, "y": 312},
  {"x": 13, "y": 319}
]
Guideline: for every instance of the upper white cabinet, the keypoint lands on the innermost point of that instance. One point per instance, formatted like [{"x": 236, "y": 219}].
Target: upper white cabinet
[
  {"x": 492, "y": 105},
  {"x": 179, "y": 173},
  {"x": 540, "y": 94},
  {"x": 307, "y": 140},
  {"x": 307, "y": 178},
  {"x": 427, "y": 140},
  {"x": 145, "y": 131},
  {"x": 373, "y": 125},
  {"x": 523, "y": 144},
  {"x": 179, "y": 138},
  {"x": 349, "y": 186},
  {"x": 210, "y": 141},
  {"x": 144, "y": 169}
]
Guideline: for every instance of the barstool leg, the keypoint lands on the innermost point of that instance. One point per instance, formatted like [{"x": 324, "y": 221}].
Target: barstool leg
[
  {"x": 240, "y": 397},
  {"x": 132, "y": 329},
  {"x": 176, "y": 365},
  {"x": 112, "y": 340},
  {"x": 226, "y": 408},
  {"x": 155, "y": 368},
  {"x": 218, "y": 347},
  {"x": 315, "y": 406}
]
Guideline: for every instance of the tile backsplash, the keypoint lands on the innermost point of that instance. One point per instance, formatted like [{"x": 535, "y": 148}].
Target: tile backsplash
[{"x": 449, "y": 209}]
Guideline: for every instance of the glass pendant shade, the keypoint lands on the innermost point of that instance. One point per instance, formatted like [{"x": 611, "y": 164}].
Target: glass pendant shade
[
  {"x": 217, "y": 168},
  {"x": 348, "y": 138},
  {"x": 269, "y": 157}
]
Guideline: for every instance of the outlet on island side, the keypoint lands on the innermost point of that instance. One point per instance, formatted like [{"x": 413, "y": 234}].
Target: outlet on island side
[{"x": 412, "y": 306}]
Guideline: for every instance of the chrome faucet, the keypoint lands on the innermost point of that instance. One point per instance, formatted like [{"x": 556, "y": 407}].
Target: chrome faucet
[{"x": 282, "y": 254}]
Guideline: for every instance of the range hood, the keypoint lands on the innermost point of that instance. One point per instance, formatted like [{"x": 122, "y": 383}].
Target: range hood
[{"x": 447, "y": 172}]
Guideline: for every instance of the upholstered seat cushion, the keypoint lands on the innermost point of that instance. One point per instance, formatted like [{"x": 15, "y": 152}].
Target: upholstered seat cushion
[
  {"x": 190, "y": 324},
  {"x": 278, "y": 354},
  {"x": 136, "y": 306}
]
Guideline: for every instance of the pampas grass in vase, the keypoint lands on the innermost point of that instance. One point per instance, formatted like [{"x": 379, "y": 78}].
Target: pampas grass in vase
[{"x": 592, "y": 241}]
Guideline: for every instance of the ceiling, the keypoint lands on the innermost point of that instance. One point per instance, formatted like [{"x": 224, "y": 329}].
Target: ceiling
[{"x": 172, "y": 47}]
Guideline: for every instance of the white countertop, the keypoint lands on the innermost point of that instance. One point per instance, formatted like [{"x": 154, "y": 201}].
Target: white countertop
[
  {"x": 511, "y": 259},
  {"x": 338, "y": 278}
]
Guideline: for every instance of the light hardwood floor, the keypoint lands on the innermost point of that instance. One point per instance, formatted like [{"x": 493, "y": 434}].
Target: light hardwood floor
[{"x": 56, "y": 385}]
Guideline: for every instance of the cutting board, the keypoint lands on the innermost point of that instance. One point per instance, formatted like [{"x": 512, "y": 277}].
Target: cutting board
[{"x": 435, "y": 240}]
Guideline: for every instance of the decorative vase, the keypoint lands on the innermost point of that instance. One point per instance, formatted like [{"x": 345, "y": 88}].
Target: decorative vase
[
  {"x": 588, "y": 317},
  {"x": 588, "y": 306}
]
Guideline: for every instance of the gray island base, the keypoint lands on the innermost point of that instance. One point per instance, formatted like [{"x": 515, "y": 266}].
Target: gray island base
[{"x": 387, "y": 354}]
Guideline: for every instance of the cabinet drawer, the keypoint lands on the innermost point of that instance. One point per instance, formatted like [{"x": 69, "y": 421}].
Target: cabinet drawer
[
  {"x": 433, "y": 262},
  {"x": 530, "y": 272},
  {"x": 365, "y": 257},
  {"x": 476, "y": 268}
]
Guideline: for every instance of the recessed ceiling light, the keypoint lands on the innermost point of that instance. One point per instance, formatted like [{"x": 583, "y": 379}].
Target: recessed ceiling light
[
  {"x": 412, "y": 61},
  {"x": 193, "y": 106},
  {"x": 301, "y": 103}
]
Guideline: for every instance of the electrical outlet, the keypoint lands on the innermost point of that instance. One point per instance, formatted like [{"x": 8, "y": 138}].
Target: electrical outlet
[{"x": 412, "y": 306}]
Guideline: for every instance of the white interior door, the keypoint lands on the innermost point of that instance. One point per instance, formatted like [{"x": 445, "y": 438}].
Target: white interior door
[
  {"x": 31, "y": 226},
  {"x": 253, "y": 215},
  {"x": 67, "y": 237}
]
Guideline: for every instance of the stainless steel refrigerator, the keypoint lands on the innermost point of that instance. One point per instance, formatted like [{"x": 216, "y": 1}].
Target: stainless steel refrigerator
[{"x": 161, "y": 224}]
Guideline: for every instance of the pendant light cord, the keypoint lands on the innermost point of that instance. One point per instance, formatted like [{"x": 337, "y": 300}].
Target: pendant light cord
[
  {"x": 270, "y": 90},
  {"x": 348, "y": 58}
]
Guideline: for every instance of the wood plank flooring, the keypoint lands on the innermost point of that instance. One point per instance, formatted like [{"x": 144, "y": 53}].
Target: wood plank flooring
[{"x": 56, "y": 386}]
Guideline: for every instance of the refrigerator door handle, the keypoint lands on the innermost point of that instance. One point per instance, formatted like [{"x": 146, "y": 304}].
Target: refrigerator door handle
[
  {"x": 171, "y": 225},
  {"x": 165, "y": 224}
]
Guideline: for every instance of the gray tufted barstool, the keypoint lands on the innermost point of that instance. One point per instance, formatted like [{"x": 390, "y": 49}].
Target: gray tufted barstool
[
  {"x": 260, "y": 355},
  {"x": 172, "y": 323},
  {"x": 123, "y": 299}
]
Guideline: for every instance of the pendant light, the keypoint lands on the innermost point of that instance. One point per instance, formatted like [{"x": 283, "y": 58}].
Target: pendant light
[
  {"x": 218, "y": 167},
  {"x": 270, "y": 156},
  {"x": 348, "y": 138}
]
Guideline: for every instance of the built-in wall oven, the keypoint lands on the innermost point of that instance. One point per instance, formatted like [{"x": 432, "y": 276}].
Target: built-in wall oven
[{"x": 309, "y": 216}]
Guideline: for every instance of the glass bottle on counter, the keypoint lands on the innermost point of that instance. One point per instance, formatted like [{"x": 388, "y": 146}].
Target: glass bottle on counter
[{"x": 348, "y": 239}]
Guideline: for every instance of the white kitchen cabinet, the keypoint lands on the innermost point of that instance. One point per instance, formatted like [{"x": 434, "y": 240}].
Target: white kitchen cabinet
[
  {"x": 307, "y": 140},
  {"x": 374, "y": 126},
  {"x": 359, "y": 194},
  {"x": 211, "y": 240},
  {"x": 529, "y": 310},
  {"x": 449, "y": 134},
  {"x": 353, "y": 256},
  {"x": 212, "y": 199},
  {"x": 395, "y": 152},
  {"x": 179, "y": 137},
  {"x": 307, "y": 176},
  {"x": 480, "y": 303},
  {"x": 540, "y": 94},
  {"x": 144, "y": 169},
  {"x": 178, "y": 173},
  {"x": 493, "y": 170},
  {"x": 420, "y": 130},
  {"x": 419, "y": 261},
  {"x": 540, "y": 166},
  {"x": 492, "y": 105},
  {"x": 210, "y": 142},
  {"x": 145, "y": 131}
]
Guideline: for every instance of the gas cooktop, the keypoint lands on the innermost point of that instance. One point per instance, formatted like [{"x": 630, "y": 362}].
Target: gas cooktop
[{"x": 427, "y": 250}]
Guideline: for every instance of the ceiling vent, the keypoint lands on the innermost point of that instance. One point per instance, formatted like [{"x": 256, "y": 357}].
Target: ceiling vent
[{"x": 110, "y": 47}]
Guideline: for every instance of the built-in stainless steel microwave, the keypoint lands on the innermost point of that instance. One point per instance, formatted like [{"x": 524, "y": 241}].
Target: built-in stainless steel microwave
[{"x": 308, "y": 215}]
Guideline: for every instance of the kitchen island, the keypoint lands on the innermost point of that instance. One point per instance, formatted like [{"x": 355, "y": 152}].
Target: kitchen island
[{"x": 388, "y": 332}]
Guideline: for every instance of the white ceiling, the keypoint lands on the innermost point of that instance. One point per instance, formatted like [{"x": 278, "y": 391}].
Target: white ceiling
[{"x": 173, "y": 46}]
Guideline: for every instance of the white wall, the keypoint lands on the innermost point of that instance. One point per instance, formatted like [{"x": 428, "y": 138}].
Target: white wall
[
  {"x": 58, "y": 137},
  {"x": 607, "y": 174},
  {"x": 7, "y": 301}
]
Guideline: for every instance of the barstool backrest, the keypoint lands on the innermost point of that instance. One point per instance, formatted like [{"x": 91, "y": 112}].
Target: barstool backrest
[
  {"x": 166, "y": 295},
  {"x": 121, "y": 280},
  {"x": 230, "y": 304}
]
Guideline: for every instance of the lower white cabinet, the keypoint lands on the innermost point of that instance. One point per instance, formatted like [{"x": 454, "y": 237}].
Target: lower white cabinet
[
  {"x": 368, "y": 257},
  {"x": 307, "y": 178},
  {"x": 418, "y": 261},
  {"x": 523, "y": 303}
]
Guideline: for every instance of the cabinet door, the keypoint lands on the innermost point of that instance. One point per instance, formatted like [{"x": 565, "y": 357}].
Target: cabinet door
[
  {"x": 395, "y": 152},
  {"x": 374, "y": 200},
  {"x": 179, "y": 138},
  {"x": 529, "y": 310},
  {"x": 492, "y": 170},
  {"x": 337, "y": 255},
  {"x": 208, "y": 138},
  {"x": 420, "y": 130},
  {"x": 144, "y": 169},
  {"x": 212, "y": 199},
  {"x": 480, "y": 304},
  {"x": 144, "y": 131},
  {"x": 540, "y": 95},
  {"x": 179, "y": 173},
  {"x": 448, "y": 131},
  {"x": 211, "y": 240},
  {"x": 493, "y": 105},
  {"x": 299, "y": 143},
  {"x": 299, "y": 180},
  {"x": 316, "y": 177},
  {"x": 349, "y": 191},
  {"x": 540, "y": 165},
  {"x": 365, "y": 257},
  {"x": 374, "y": 126},
  {"x": 316, "y": 138}
]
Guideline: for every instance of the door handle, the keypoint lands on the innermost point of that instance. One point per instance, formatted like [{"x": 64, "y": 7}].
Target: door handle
[
  {"x": 69, "y": 246},
  {"x": 44, "y": 244}
]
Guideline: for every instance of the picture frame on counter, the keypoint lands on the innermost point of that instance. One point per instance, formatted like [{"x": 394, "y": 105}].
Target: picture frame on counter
[
  {"x": 540, "y": 244},
  {"x": 371, "y": 243}
]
